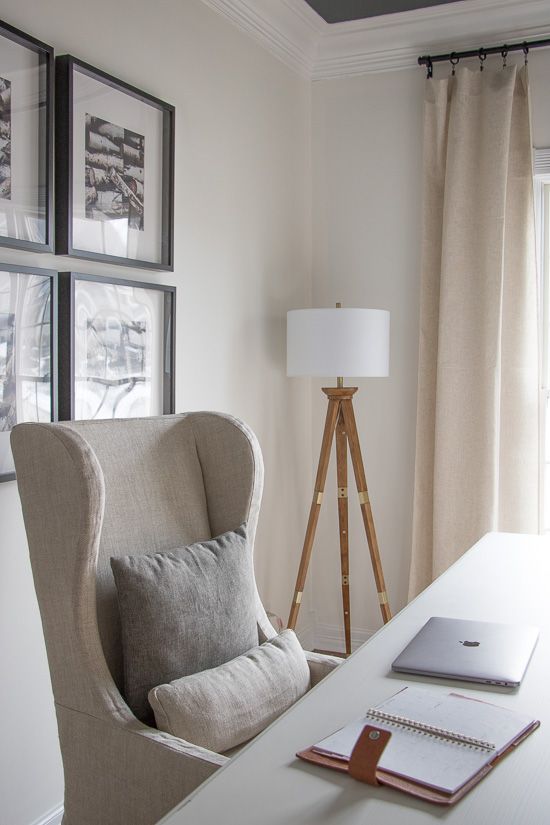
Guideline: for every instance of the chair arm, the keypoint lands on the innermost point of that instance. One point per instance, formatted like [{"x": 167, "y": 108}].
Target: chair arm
[
  {"x": 320, "y": 665},
  {"x": 121, "y": 772},
  {"x": 209, "y": 759}
]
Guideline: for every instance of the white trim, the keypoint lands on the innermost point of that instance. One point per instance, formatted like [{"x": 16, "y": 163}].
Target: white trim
[
  {"x": 331, "y": 637},
  {"x": 53, "y": 817},
  {"x": 375, "y": 51},
  {"x": 306, "y": 632},
  {"x": 315, "y": 635},
  {"x": 542, "y": 162},
  {"x": 299, "y": 37},
  {"x": 541, "y": 166},
  {"x": 290, "y": 29}
]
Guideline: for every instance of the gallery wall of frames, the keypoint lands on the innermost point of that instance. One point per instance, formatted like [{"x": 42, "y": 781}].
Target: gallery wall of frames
[{"x": 92, "y": 157}]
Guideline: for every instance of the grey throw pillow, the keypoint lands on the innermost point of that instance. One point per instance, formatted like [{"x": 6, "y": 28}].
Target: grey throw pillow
[
  {"x": 183, "y": 612},
  {"x": 224, "y": 707}
]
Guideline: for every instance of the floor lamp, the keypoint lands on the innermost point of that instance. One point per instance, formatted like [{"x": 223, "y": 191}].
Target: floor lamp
[{"x": 341, "y": 342}]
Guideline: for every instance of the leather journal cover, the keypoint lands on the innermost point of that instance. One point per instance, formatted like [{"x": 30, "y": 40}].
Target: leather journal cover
[{"x": 452, "y": 762}]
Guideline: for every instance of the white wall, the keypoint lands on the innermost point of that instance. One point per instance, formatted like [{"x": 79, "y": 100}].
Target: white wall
[
  {"x": 367, "y": 156},
  {"x": 539, "y": 72},
  {"x": 242, "y": 258},
  {"x": 366, "y": 239}
]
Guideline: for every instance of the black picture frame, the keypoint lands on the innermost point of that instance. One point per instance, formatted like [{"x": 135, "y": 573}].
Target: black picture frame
[
  {"x": 19, "y": 350},
  {"x": 105, "y": 354},
  {"x": 94, "y": 229},
  {"x": 31, "y": 225}
]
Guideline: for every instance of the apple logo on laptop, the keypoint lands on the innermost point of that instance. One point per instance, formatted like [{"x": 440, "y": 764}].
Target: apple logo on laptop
[{"x": 469, "y": 644}]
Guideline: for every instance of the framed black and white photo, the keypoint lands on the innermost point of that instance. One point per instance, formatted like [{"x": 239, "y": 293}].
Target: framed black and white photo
[
  {"x": 26, "y": 141},
  {"x": 116, "y": 347},
  {"x": 114, "y": 169},
  {"x": 28, "y": 349}
]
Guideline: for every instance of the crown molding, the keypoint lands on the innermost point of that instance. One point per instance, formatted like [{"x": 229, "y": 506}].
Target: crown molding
[
  {"x": 290, "y": 29},
  {"x": 299, "y": 37},
  {"x": 395, "y": 41}
]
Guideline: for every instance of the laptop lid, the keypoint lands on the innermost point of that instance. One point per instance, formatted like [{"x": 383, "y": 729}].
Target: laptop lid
[{"x": 486, "y": 652}]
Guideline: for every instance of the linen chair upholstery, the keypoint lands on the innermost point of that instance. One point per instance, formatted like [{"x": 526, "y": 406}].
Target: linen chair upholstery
[{"x": 95, "y": 489}]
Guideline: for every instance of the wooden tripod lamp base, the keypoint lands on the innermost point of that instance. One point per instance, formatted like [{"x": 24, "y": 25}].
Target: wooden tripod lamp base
[
  {"x": 340, "y": 342},
  {"x": 341, "y": 420}
]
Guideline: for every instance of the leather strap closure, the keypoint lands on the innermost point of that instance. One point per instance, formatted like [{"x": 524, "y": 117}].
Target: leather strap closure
[{"x": 366, "y": 754}]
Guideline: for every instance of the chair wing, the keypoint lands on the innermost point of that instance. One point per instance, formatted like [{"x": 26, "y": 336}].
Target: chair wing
[{"x": 95, "y": 489}]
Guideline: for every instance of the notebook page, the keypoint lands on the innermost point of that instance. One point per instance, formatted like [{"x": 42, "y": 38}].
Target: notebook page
[
  {"x": 433, "y": 761},
  {"x": 460, "y": 714}
]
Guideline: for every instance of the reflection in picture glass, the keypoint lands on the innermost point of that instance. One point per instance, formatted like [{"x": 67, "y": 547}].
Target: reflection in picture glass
[
  {"x": 25, "y": 354},
  {"x": 26, "y": 144},
  {"x": 5, "y": 138},
  {"x": 118, "y": 351}
]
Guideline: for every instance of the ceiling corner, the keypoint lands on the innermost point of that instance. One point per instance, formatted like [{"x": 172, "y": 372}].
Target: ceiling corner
[
  {"x": 299, "y": 37},
  {"x": 290, "y": 29}
]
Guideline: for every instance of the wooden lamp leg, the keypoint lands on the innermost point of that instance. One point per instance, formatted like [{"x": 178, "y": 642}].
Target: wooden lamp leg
[
  {"x": 341, "y": 418},
  {"x": 361, "y": 481},
  {"x": 342, "y": 481},
  {"x": 328, "y": 435}
]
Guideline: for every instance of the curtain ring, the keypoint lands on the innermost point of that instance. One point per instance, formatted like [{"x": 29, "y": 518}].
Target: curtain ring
[
  {"x": 482, "y": 54},
  {"x": 429, "y": 68},
  {"x": 453, "y": 61},
  {"x": 504, "y": 54},
  {"x": 525, "y": 52}
]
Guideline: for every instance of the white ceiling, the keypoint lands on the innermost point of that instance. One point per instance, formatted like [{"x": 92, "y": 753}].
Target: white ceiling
[{"x": 319, "y": 50}]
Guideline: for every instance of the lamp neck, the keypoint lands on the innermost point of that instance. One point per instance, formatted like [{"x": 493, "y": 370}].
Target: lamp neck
[{"x": 339, "y": 380}]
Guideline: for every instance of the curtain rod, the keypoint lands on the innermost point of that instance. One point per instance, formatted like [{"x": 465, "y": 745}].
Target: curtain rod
[{"x": 454, "y": 57}]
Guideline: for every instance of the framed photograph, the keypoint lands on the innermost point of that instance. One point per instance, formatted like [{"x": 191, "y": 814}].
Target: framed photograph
[
  {"x": 116, "y": 347},
  {"x": 114, "y": 170},
  {"x": 26, "y": 141},
  {"x": 28, "y": 350}
]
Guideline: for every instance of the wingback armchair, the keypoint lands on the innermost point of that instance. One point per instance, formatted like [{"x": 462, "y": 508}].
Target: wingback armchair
[{"x": 91, "y": 490}]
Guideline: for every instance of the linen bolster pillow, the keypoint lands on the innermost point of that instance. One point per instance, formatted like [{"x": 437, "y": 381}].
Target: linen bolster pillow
[{"x": 225, "y": 706}]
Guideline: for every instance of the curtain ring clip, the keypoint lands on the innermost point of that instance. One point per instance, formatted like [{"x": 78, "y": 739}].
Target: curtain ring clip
[
  {"x": 453, "y": 59},
  {"x": 504, "y": 54},
  {"x": 429, "y": 68},
  {"x": 482, "y": 54},
  {"x": 525, "y": 51}
]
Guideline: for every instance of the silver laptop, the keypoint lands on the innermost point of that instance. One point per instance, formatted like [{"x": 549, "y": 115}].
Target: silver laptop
[{"x": 486, "y": 652}]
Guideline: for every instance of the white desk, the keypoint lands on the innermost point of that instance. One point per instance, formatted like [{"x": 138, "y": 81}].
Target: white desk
[{"x": 502, "y": 578}]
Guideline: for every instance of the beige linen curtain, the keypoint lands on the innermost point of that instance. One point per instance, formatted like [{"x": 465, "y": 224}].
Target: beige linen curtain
[{"x": 477, "y": 412}]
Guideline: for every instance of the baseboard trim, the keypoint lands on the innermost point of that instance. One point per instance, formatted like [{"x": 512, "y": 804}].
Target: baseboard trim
[
  {"x": 53, "y": 817},
  {"x": 307, "y": 635},
  {"x": 331, "y": 637}
]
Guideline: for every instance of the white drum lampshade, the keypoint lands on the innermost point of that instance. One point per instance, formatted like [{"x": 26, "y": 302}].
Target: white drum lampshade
[{"x": 338, "y": 342}]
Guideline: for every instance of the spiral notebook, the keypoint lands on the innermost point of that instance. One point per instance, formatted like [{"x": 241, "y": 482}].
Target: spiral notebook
[{"x": 440, "y": 745}]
